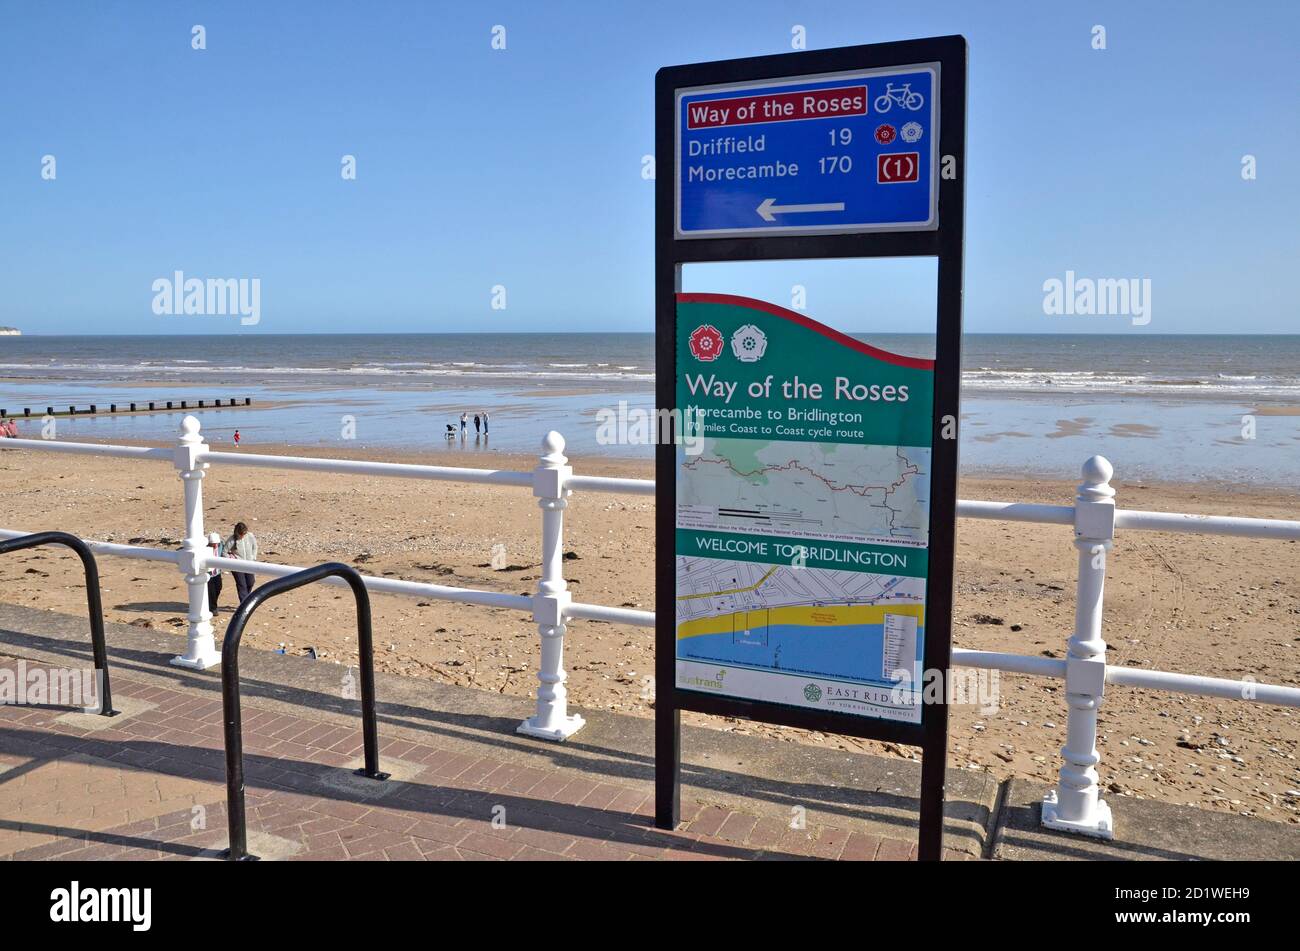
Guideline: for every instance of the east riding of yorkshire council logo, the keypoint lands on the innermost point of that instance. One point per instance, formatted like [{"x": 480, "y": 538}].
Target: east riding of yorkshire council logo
[
  {"x": 706, "y": 343},
  {"x": 812, "y": 693}
]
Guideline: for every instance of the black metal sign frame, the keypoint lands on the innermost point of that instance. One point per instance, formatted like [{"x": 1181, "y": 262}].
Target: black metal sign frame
[{"x": 945, "y": 244}]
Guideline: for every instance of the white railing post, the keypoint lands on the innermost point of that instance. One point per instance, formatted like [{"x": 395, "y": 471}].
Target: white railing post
[
  {"x": 201, "y": 651},
  {"x": 1075, "y": 805},
  {"x": 552, "y": 720}
]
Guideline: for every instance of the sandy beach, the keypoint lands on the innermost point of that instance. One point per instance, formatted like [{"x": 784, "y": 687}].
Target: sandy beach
[{"x": 1215, "y": 606}]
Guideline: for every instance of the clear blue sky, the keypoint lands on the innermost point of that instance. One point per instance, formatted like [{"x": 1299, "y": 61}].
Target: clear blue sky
[{"x": 523, "y": 167}]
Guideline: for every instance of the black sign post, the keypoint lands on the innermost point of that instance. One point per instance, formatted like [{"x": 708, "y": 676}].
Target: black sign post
[{"x": 775, "y": 111}]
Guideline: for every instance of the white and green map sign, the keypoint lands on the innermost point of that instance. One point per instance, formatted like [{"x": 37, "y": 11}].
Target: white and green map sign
[{"x": 802, "y": 511}]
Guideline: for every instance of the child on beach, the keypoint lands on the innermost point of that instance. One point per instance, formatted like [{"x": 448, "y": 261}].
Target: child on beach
[
  {"x": 476, "y": 424},
  {"x": 236, "y": 438},
  {"x": 214, "y": 574}
]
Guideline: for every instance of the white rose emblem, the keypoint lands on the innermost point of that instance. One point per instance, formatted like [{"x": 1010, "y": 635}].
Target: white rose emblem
[
  {"x": 748, "y": 344},
  {"x": 911, "y": 132}
]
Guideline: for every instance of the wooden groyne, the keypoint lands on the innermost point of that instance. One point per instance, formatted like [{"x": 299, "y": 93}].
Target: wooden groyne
[{"x": 126, "y": 409}]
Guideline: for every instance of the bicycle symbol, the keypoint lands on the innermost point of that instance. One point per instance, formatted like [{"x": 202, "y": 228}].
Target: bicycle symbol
[{"x": 902, "y": 95}]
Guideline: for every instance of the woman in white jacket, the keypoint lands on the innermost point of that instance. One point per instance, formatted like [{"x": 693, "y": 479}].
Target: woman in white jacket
[{"x": 242, "y": 545}]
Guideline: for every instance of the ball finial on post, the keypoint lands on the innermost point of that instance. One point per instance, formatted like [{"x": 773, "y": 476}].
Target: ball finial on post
[
  {"x": 553, "y": 449},
  {"x": 1096, "y": 487},
  {"x": 1097, "y": 470}
]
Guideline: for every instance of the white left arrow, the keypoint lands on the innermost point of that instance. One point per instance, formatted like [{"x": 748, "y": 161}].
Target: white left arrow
[{"x": 769, "y": 209}]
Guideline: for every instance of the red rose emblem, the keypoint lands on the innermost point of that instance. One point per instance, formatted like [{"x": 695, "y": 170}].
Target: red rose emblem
[
  {"x": 885, "y": 133},
  {"x": 706, "y": 342}
]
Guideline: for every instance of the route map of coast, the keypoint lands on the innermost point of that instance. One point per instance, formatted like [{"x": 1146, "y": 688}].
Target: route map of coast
[
  {"x": 816, "y": 490},
  {"x": 774, "y": 616},
  {"x": 802, "y": 522},
  {"x": 798, "y": 620}
]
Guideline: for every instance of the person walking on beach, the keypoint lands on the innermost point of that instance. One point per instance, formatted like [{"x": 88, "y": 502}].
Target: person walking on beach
[
  {"x": 214, "y": 574},
  {"x": 477, "y": 423},
  {"x": 236, "y": 438},
  {"x": 485, "y": 422},
  {"x": 464, "y": 421},
  {"x": 242, "y": 545}
]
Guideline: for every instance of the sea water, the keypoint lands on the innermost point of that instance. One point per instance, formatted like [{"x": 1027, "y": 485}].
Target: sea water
[{"x": 1161, "y": 407}]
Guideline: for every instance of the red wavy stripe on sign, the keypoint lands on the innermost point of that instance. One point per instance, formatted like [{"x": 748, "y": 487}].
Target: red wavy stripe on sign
[{"x": 916, "y": 363}]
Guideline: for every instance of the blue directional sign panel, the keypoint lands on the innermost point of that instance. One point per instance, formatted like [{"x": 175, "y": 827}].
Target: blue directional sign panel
[{"x": 838, "y": 153}]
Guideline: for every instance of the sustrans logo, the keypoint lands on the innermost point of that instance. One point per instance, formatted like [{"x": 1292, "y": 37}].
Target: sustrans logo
[
  {"x": 700, "y": 682},
  {"x": 749, "y": 344},
  {"x": 812, "y": 693},
  {"x": 706, "y": 343},
  {"x": 134, "y": 905}
]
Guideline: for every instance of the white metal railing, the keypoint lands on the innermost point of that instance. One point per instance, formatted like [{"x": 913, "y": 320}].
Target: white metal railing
[
  {"x": 1074, "y": 805},
  {"x": 552, "y": 482}
]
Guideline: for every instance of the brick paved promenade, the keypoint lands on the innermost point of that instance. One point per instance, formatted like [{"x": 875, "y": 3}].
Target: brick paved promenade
[
  {"x": 136, "y": 787},
  {"x": 150, "y": 783}
]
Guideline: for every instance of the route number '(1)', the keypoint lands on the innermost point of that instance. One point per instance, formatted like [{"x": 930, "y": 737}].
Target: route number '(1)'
[{"x": 898, "y": 167}]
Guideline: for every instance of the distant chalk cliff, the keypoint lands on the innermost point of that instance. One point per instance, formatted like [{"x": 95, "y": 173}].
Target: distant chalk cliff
[{"x": 10, "y": 332}]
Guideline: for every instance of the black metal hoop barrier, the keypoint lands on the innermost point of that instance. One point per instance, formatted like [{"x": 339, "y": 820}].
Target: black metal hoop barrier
[
  {"x": 94, "y": 604},
  {"x": 236, "y": 814}
]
